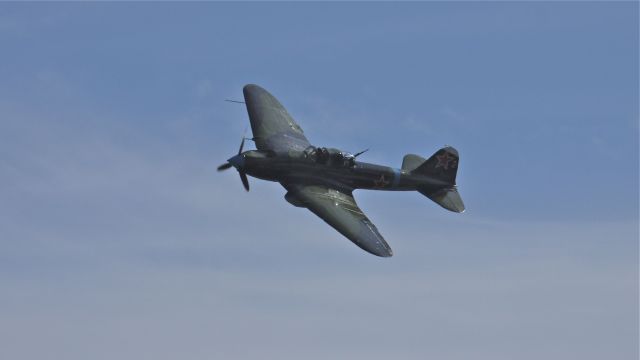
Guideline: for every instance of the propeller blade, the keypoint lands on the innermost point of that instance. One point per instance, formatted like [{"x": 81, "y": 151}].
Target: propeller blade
[
  {"x": 242, "y": 142},
  {"x": 224, "y": 166},
  {"x": 244, "y": 179},
  {"x": 241, "y": 146}
]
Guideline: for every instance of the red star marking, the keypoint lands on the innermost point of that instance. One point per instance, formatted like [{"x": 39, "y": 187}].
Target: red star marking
[
  {"x": 380, "y": 182},
  {"x": 446, "y": 161}
]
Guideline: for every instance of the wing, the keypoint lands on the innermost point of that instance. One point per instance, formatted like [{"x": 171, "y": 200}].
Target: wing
[
  {"x": 273, "y": 128},
  {"x": 339, "y": 209}
]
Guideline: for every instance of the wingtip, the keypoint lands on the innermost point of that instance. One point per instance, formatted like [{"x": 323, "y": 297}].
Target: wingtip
[
  {"x": 252, "y": 88},
  {"x": 388, "y": 254},
  {"x": 383, "y": 253}
]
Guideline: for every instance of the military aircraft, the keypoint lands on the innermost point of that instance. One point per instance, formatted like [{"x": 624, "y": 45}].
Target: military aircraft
[{"x": 323, "y": 179}]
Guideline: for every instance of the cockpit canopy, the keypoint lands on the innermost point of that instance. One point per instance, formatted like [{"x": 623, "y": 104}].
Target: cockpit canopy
[{"x": 330, "y": 156}]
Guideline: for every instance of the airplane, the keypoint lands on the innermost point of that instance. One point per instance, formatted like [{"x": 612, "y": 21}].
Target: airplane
[{"x": 323, "y": 179}]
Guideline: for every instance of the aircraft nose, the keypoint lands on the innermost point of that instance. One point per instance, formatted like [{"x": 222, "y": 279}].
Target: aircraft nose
[{"x": 237, "y": 161}]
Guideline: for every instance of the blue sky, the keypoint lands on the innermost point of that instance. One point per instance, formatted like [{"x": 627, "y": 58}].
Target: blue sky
[{"x": 119, "y": 239}]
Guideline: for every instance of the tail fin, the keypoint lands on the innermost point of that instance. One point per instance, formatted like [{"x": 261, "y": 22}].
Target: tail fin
[{"x": 443, "y": 165}]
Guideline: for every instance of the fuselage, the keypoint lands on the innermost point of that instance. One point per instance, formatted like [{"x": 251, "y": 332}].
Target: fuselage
[{"x": 296, "y": 167}]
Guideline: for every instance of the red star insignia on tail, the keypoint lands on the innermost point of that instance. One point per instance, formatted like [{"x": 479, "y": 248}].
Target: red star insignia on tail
[{"x": 446, "y": 161}]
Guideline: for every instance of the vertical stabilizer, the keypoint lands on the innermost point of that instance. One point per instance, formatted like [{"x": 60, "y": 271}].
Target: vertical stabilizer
[{"x": 443, "y": 165}]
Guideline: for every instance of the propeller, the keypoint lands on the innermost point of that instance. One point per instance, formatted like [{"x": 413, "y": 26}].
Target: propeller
[
  {"x": 228, "y": 165},
  {"x": 245, "y": 181},
  {"x": 241, "y": 145},
  {"x": 224, "y": 166}
]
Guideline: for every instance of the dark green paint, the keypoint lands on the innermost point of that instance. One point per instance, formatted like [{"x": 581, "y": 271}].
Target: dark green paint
[{"x": 323, "y": 180}]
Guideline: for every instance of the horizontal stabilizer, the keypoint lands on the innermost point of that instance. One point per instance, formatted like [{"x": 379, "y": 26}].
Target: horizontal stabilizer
[
  {"x": 448, "y": 198},
  {"x": 412, "y": 161}
]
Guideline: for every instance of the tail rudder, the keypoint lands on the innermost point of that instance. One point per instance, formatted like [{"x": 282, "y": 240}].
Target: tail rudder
[{"x": 443, "y": 165}]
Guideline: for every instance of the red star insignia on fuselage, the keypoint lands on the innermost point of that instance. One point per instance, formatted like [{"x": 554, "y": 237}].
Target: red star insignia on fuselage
[
  {"x": 446, "y": 161},
  {"x": 382, "y": 182}
]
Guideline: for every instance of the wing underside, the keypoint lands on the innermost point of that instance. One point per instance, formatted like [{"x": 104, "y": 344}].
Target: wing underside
[
  {"x": 339, "y": 209},
  {"x": 272, "y": 126}
]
